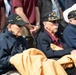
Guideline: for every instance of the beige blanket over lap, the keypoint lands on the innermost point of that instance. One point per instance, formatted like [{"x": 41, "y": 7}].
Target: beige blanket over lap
[
  {"x": 33, "y": 62},
  {"x": 55, "y": 47},
  {"x": 66, "y": 61}
]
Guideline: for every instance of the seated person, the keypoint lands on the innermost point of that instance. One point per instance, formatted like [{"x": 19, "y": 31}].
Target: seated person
[
  {"x": 69, "y": 33},
  {"x": 11, "y": 43},
  {"x": 49, "y": 36}
]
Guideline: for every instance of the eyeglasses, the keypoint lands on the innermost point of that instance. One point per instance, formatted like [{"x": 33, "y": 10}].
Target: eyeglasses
[{"x": 56, "y": 21}]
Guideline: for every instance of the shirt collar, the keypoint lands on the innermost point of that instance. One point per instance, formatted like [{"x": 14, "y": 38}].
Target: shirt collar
[{"x": 53, "y": 38}]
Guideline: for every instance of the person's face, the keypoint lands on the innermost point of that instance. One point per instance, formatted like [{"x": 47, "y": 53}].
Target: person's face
[
  {"x": 15, "y": 29},
  {"x": 51, "y": 26},
  {"x": 72, "y": 21}
]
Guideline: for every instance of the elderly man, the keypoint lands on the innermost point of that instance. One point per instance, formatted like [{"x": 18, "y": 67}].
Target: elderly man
[
  {"x": 51, "y": 43},
  {"x": 11, "y": 43}
]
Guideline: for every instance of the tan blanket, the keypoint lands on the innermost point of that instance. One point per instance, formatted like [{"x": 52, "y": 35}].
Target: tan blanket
[
  {"x": 55, "y": 47},
  {"x": 68, "y": 61},
  {"x": 33, "y": 62}
]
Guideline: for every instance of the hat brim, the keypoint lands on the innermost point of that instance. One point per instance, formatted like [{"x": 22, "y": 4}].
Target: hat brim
[
  {"x": 51, "y": 19},
  {"x": 67, "y": 11},
  {"x": 55, "y": 20},
  {"x": 21, "y": 23}
]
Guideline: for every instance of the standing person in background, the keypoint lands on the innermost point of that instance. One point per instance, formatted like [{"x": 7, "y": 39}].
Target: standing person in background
[
  {"x": 65, "y": 4},
  {"x": 28, "y": 10},
  {"x": 8, "y": 7},
  {"x": 69, "y": 3},
  {"x": 62, "y": 4},
  {"x": 44, "y": 7},
  {"x": 2, "y": 15}
]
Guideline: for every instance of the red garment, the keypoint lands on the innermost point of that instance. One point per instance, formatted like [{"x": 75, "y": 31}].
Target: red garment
[
  {"x": 28, "y": 8},
  {"x": 1, "y": 5},
  {"x": 55, "y": 39}
]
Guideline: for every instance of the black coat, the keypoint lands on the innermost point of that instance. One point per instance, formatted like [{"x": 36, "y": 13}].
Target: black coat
[
  {"x": 44, "y": 41},
  {"x": 44, "y": 7}
]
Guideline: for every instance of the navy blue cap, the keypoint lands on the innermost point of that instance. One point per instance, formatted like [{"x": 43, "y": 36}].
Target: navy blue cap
[
  {"x": 50, "y": 16},
  {"x": 16, "y": 19},
  {"x": 72, "y": 14}
]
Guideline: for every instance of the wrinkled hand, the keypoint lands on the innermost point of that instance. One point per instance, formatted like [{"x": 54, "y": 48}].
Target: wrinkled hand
[
  {"x": 34, "y": 30},
  {"x": 73, "y": 52}
]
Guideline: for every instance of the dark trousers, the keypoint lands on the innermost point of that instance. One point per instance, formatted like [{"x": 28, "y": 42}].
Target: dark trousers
[{"x": 71, "y": 71}]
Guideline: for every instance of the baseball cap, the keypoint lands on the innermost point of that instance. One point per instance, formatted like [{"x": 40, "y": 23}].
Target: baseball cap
[
  {"x": 50, "y": 16},
  {"x": 69, "y": 13},
  {"x": 72, "y": 14},
  {"x": 16, "y": 19}
]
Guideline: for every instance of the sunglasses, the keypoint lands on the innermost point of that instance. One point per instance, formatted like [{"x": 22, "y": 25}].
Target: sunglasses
[
  {"x": 74, "y": 18},
  {"x": 56, "y": 21},
  {"x": 20, "y": 26}
]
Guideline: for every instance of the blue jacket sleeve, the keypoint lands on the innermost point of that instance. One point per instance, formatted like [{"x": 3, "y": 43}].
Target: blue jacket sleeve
[
  {"x": 4, "y": 58},
  {"x": 69, "y": 35}
]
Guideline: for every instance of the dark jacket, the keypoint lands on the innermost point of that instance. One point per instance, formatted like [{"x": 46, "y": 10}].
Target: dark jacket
[
  {"x": 69, "y": 3},
  {"x": 62, "y": 4},
  {"x": 44, "y": 7},
  {"x": 43, "y": 43},
  {"x": 9, "y": 46},
  {"x": 69, "y": 35}
]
